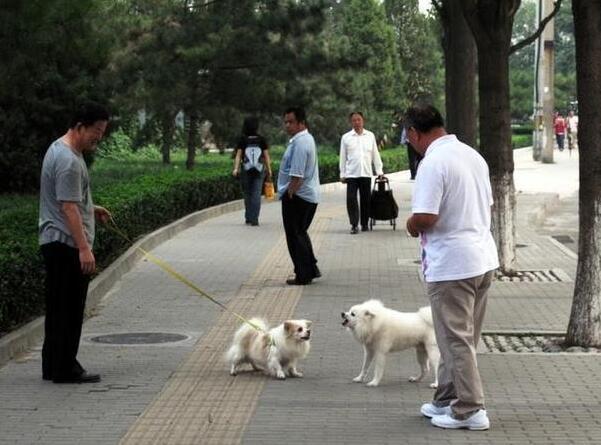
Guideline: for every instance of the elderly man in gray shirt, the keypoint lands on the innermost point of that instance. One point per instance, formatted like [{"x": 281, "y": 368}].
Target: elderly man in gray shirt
[
  {"x": 298, "y": 189},
  {"x": 66, "y": 237}
]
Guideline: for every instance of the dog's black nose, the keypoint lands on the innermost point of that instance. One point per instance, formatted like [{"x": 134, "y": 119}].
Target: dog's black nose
[{"x": 342, "y": 314}]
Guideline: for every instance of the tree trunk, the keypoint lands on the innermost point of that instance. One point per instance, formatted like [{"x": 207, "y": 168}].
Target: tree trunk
[
  {"x": 192, "y": 139},
  {"x": 491, "y": 22},
  {"x": 460, "y": 72},
  {"x": 584, "y": 328},
  {"x": 167, "y": 132},
  {"x": 495, "y": 146}
]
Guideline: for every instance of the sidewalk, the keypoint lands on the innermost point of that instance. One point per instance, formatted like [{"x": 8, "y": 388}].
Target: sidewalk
[{"x": 181, "y": 393}]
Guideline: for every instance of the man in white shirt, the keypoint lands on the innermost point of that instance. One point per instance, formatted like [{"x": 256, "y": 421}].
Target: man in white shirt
[
  {"x": 358, "y": 153},
  {"x": 452, "y": 217},
  {"x": 572, "y": 127}
]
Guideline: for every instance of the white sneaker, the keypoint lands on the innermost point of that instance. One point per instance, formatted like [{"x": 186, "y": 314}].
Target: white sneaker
[
  {"x": 431, "y": 410},
  {"x": 478, "y": 421}
]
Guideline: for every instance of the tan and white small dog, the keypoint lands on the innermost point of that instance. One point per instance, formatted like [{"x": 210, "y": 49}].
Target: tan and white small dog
[
  {"x": 381, "y": 331},
  {"x": 274, "y": 351}
]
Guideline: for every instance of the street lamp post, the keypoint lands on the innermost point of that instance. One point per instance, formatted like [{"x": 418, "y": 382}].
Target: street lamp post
[{"x": 548, "y": 84}]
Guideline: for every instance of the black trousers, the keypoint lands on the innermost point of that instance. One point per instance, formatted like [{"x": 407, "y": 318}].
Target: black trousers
[
  {"x": 66, "y": 291},
  {"x": 297, "y": 215},
  {"x": 414, "y": 159},
  {"x": 363, "y": 185}
]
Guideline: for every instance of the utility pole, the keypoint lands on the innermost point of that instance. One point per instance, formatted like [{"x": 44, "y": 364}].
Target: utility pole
[
  {"x": 548, "y": 83},
  {"x": 537, "y": 116}
]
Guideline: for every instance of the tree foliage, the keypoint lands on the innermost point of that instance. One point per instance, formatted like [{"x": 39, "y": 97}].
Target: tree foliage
[
  {"x": 53, "y": 52},
  {"x": 419, "y": 50},
  {"x": 521, "y": 63},
  {"x": 215, "y": 60},
  {"x": 363, "y": 72}
]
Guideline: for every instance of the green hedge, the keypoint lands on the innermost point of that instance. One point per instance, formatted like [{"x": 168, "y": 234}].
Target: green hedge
[{"x": 140, "y": 205}]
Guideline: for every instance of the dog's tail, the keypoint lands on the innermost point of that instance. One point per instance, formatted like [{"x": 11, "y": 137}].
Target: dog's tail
[
  {"x": 426, "y": 314},
  {"x": 243, "y": 332}
]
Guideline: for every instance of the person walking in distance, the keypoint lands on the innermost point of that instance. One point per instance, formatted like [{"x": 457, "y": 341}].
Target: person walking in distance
[
  {"x": 252, "y": 163},
  {"x": 559, "y": 126},
  {"x": 451, "y": 214},
  {"x": 298, "y": 189},
  {"x": 572, "y": 128},
  {"x": 66, "y": 237},
  {"x": 359, "y": 155}
]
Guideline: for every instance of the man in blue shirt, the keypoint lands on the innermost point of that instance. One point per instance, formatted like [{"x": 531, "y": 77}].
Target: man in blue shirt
[{"x": 298, "y": 189}]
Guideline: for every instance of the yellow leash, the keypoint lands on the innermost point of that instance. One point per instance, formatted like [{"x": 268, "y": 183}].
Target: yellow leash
[{"x": 175, "y": 274}]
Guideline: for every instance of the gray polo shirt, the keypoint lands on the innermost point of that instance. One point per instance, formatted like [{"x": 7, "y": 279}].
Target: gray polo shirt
[{"x": 64, "y": 178}]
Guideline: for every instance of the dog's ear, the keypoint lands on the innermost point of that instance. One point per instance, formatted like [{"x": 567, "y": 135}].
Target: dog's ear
[
  {"x": 308, "y": 323},
  {"x": 369, "y": 314},
  {"x": 289, "y": 327}
]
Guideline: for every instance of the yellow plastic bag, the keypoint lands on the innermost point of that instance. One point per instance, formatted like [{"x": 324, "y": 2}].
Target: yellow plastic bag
[{"x": 268, "y": 190}]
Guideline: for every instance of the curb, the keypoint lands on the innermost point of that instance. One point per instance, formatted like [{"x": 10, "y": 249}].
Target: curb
[{"x": 27, "y": 336}]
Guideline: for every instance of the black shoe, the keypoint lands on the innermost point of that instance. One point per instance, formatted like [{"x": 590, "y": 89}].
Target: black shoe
[
  {"x": 297, "y": 282},
  {"x": 46, "y": 377},
  {"x": 254, "y": 224},
  {"x": 84, "y": 377},
  {"x": 364, "y": 228},
  {"x": 316, "y": 273},
  {"x": 354, "y": 230}
]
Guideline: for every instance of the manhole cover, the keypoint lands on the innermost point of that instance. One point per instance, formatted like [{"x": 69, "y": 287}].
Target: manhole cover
[
  {"x": 535, "y": 276},
  {"x": 531, "y": 342},
  {"x": 138, "y": 338}
]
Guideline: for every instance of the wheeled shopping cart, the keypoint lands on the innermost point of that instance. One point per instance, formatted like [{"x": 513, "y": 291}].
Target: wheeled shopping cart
[{"x": 382, "y": 206}]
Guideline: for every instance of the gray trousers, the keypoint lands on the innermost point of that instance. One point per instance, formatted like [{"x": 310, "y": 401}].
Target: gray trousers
[{"x": 458, "y": 309}]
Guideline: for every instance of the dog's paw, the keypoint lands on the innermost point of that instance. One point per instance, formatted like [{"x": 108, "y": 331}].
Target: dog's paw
[
  {"x": 434, "y": 385},
  {"x": 358, "y": 379},
  {"x": 293, "y": 373},
  {"x": 373, "y": 383},
  {"x": 414, "y": 379},
  {"x": 280, "y": 375}
]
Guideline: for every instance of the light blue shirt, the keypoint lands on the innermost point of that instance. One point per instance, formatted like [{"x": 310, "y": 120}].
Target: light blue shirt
[{"x": 300, "y": 160}]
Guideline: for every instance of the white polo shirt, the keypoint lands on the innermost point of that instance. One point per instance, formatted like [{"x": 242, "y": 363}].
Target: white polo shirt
[
  {"x": 453, "y": 182},
  {"x": 358, "y": 152}
]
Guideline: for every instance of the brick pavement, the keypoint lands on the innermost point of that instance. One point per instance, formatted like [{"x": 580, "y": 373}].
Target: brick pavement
[{"x": 181, "y": 393}]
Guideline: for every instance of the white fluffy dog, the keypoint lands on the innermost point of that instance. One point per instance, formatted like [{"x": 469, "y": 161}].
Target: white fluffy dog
[
  {"x": 381, "y": 330},
  {"x": 274, "y": 351}
]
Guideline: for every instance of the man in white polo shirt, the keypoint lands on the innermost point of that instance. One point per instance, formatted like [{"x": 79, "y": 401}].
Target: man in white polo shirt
[
  {"x": 452, "y": 217},
  {"x": 358, "y": 153}
]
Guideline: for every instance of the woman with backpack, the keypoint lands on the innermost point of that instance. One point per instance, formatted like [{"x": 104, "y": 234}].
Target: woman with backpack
[{"x": 251, "y": 164}]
